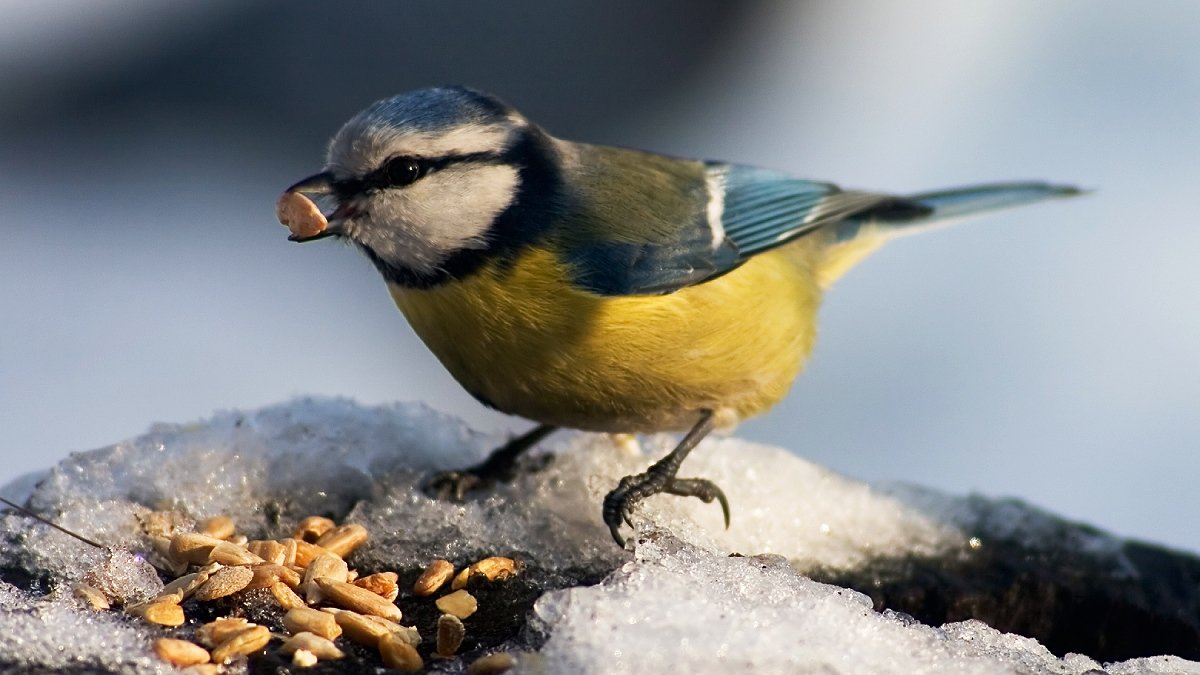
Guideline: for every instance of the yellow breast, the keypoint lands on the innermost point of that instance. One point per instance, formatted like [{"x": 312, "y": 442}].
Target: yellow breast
[{"x": 525, "y": 341}]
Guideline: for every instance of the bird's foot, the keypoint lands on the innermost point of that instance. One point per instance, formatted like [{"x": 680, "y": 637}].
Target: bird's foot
[
  {"x": 618, "y": 504},
  {"x": 500, "y": 467},
  {"x": 454, "y": 486}
]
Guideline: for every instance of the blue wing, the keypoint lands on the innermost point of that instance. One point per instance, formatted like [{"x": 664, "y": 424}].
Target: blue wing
[
  {"x": 733, "y": 213},
  {"x": 707, "y": 219},
  {"x": 763, "y": 209}
]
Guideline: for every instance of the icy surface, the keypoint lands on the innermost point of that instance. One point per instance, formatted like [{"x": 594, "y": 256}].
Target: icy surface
[
  {"x": 56, "y": 634},
  {"x": 683, "y": 609},
  {"x": 680, "y": 601}
]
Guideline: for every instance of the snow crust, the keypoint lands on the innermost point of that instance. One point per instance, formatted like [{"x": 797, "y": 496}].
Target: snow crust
[
  {"x": 683, "y": 609},
  {"x": 679, "y": 601},
  {"x": 55, "y": 634}
]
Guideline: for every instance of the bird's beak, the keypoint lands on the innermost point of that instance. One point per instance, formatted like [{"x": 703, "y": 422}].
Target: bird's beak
[
  {"x": 311, "y": 209},
  {"x": 321, "y": 183}
]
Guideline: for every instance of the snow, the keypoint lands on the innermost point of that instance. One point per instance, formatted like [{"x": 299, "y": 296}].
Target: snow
[
  {"x": 56, "y": 634},
  {"x": 682, "y": 608},
  {"x": 680, "y": 600}
]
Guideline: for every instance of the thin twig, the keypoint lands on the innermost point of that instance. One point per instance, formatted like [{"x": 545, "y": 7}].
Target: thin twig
[{"x": 24, "y": 511}]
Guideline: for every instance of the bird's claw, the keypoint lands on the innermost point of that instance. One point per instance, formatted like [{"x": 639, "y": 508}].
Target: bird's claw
[
  {"x": 703, "y": 489},
  {"x": 500, "y": 466},
  {"x": 453, "y": 486},
  {"x": 618, "y": 504}
]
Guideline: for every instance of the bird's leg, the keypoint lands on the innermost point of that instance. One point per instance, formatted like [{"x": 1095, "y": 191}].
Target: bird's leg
[
  {"x": 499, "y": 466},
  {"x": 660, "y": 477}
]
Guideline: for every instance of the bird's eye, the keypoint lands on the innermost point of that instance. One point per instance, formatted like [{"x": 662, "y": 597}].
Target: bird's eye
[{"x": 402, "y": 171}]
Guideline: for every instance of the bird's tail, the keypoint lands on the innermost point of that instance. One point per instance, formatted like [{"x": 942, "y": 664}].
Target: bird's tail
[
  {"x": 966, "y": 201},
  {"x": 856, "y": 238}
]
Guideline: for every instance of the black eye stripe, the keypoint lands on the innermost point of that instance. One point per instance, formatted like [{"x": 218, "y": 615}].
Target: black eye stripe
[{"x": 382, "y": 177}]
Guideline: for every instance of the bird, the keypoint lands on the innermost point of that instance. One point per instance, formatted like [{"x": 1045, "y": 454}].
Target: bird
[{"x": 601, "y": 288}]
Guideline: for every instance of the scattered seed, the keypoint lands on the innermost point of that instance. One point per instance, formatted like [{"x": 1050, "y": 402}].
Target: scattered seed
[
  {"x": 311, "y": 528},
  {"x": 215, "y": 632},
  {"x": 399, "y": 654},
  {"x": 228, "y": 553},
  {"x": 285, "y": 596},
  {"x": 434, "y": 577},
  {"x": 316, "y": 645},
  {"x": 308, "y": 620},
  {"x": 407, "y": 633},
  {"x": 242, "y": 643},
  {"x": 382, "y": 584},
  {"x": 163, "y": 523},
  {"x": 219, "y": 527},
  {"x": 495, "y": 568},
  {"x": 306, "y": 552},
  {"x": 461, "y": 579},
  {"x": 450, "y": 634},
  {"x": 163, "y": 613},
  {"x": 174, "y": 597},
  {"x": 192, "y": 547},
  {"x": 360, "y": 628},
  {"x": 289, "y": 551},
  {"x": 369, "y": 630},
  {"x": 302, "y": 658},
  {"x": 161, "y": 556},
  {"x": 268, "y": 574},
  {"x": 324, "y": 566},
  {"x": 349, "y": 596},
  {"x": 267, "y": 549},
  {"x": 288, "y": 576},
  {"x": 342, "y": 541},
  {"x": 223, "y": 582},
  {"x": 492, "y": 664},
  {"x": 312, "y": 561},
  {"x": 459, "y": 603},
  {"x": 186, "y": 585},
  {"x": 180, "y": 652},
  {"x": 92, "y": 596}
]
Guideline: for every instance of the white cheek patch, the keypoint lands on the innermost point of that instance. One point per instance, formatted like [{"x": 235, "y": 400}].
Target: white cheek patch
[
  {"x": 457, "y": 205},
  {"x": 421, "y": 225}
]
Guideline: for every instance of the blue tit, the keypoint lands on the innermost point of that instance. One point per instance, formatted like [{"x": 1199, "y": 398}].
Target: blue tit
[{"x": 603, "y": 288}]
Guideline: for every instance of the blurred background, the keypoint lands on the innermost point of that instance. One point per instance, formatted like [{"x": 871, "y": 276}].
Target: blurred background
[{"x": 1049, "y": 353}]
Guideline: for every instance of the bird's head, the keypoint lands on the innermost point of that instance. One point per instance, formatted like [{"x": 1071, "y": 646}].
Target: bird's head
[{"x": 425, "y": 183}]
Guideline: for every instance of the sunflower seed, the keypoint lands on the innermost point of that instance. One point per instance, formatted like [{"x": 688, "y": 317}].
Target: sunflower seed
[
  {"x": 450, "y": 634},
  {"x": 400, "y": 655},
  {"x": 309, "y": 620},
  {"x": 459, "y": 603},
  {"x": 242, "y": 643},
  {"x": 180, "y": 652},
  {"x": 434, "y": 577}
]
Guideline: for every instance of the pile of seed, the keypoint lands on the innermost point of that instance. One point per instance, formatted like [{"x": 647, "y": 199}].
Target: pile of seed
[{"x": 324, "y": 600}]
